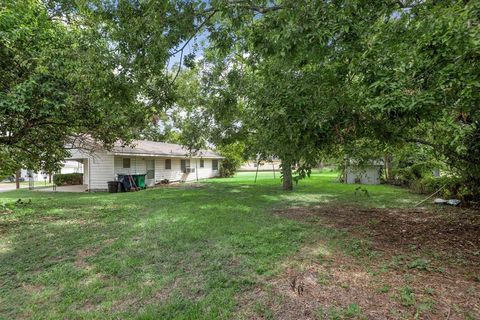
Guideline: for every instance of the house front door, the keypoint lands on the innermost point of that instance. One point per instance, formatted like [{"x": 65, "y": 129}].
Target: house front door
[{"x": 150, "y": 172}]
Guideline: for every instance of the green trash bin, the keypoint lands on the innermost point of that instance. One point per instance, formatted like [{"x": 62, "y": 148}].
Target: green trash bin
[{"x": 139, "y": 180}]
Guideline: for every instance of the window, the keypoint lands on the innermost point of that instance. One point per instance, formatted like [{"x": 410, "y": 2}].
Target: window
[
  {"x": 185, "y": 165},
  {"x": 202, "y": 163},
  {"x": 168, "y": 164},
  {"x": 214, "y": 165},
  {"x": 126, "y": 163}
]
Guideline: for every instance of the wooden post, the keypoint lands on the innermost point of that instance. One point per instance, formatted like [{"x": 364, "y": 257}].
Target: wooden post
[{"x": 17, "y": 179}]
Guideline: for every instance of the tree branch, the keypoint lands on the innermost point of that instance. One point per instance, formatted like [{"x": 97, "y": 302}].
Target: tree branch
[
  {"x": 200, "y": 26},
  {"x": 444, "y": 149}
]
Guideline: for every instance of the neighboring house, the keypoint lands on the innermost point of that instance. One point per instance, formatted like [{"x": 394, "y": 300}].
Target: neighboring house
[
  {"x": 253, "y": 165},
  {"x": 157, "y": 160},
  {"x": 25, "y": 175},
  {"x": 67, "y": 167},
  {"x": 365, "y": 174},
  {"x": 71, "y": 167}
]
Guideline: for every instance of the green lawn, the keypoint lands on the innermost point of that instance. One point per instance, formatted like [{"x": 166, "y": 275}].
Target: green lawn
[{"x": 185, "y": 253}]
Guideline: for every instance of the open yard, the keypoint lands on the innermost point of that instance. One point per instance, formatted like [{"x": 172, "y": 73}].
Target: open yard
[{"x": 229, "y": 248}]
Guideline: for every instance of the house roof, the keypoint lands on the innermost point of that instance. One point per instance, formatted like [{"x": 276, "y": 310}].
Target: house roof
[{"x": 146, "y": 148}]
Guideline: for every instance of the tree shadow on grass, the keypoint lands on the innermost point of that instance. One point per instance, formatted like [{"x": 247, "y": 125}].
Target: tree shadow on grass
[{"x": 117, "y": 254}]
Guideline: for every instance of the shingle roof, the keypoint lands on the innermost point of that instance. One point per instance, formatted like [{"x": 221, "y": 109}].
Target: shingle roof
[{"x": 145, "y": 147}]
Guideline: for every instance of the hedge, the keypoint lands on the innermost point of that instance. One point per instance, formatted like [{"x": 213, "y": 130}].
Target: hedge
[{"x": 68, "y": 179}]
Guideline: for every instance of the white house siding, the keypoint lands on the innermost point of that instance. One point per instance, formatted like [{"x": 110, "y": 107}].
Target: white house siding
[
  {"x": 175, "y": 173},
  {"x": 138, "y": 165},
  {"x": 101, "y": 170},
  {"x": 203, "y": 173}
]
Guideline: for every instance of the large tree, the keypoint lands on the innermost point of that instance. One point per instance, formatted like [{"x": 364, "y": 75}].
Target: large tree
[
  {"x": 419, "y": 82},
  {"x": 309, "y": 78},
  {"x": 286, "y": 74},
  {"x": 74, "y": 70}
]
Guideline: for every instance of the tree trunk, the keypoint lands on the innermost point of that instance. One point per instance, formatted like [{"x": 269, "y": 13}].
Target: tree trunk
[
  {"x": 388, "y": 166},
  {"x": 287, "y": 176},
  {"x": 17, "y": 179}
]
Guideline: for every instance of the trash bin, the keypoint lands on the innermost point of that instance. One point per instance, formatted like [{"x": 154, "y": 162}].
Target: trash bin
[
  {"x": 139, "y": 180},
  {"x": 124, "y": 183},
  {"x": 112, "y": 186}
]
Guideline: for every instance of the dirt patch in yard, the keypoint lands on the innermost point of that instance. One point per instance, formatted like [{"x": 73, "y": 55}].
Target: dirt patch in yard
[
  {"x": 449, "y": 231},
  {"x": 377, "y": 264},
  {"x": 82, "y": 255}
]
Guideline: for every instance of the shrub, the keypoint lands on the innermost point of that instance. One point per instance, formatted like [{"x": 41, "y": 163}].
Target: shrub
[
  {"x": 68, "y": 179},
  {"x": 233, "y": 159},
  {"x": 453, "y": 187}
]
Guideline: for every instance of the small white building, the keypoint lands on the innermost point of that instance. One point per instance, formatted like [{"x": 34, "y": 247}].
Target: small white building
[
  {"x": 363, "y": 174},
  {"x": 157, "y": 160}
]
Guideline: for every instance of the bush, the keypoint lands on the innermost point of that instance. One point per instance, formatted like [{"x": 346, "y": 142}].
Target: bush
[
  {"x": 454, "y": 187},
  {"x": 68, "y": 179},
  {"x": 409, "y": 176},
  {"x": 233, "y": 159}
]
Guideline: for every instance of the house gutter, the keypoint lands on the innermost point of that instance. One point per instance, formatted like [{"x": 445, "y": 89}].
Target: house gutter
[{"x": 166, "y": 155}]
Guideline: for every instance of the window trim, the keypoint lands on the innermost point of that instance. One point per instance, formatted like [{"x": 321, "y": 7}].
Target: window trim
[
  {"x": 202, "y": 163},
  {"x": 215, "y": 168}
]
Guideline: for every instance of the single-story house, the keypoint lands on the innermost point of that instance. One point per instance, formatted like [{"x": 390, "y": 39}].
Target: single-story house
[
  {"x": 369, "y": 173},
  {"x": 157, "y": 160},
  {"x": 264, "y": 165}
]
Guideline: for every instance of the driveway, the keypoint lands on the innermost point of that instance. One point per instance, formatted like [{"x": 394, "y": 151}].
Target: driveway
[
  {"x": 5, "y": 186},
  {"x": 74, "y": 188}
]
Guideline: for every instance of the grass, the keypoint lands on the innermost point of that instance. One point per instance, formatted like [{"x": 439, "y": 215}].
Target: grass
[{"x": 184, "y": 253}]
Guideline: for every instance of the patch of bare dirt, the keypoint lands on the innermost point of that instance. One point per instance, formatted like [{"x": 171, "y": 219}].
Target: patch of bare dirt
[
  {"x": 32, "y": 288},
  {"x": 322, "y": 282},
  {"x": 83, "y": 254},
  {"x": 451, "y": 231}
]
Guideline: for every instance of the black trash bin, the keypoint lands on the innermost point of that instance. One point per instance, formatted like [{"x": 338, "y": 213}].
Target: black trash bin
[{"x": 112, "y": 186}]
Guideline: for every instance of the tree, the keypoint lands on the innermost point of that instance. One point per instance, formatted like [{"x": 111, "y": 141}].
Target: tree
[
  {"x": 58, "y": 85},
  {"x": 314, "y": 77},
  {"x": 76, "y": 70},
  {"x": 418, "y": 80},
  {"x": 233, "y": 158},
  {"x": 287, "y": 72}
]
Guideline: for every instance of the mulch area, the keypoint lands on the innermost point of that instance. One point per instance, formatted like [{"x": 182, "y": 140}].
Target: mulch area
[
  {"x": 389, "y": 285},
  {"x": 451, "y": 231}
]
